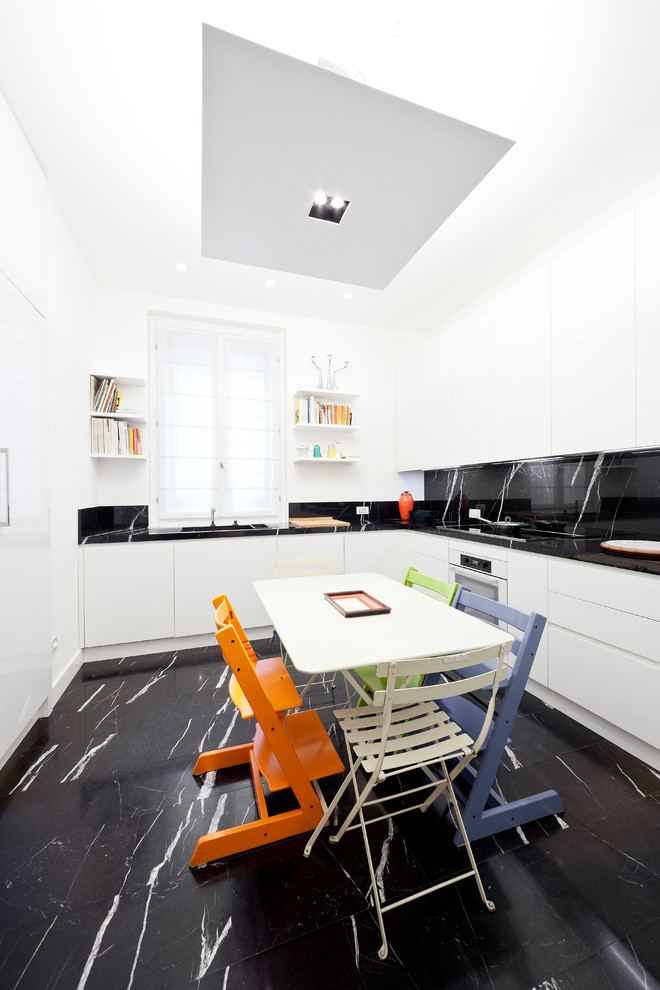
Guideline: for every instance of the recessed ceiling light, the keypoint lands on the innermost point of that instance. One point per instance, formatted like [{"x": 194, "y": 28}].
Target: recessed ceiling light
[
  {"x": 181, "y": 266},
  {"x": 347, "y": 295},
  {"x": 270, "y": 282},
  {"x": 330, "y": 208}
]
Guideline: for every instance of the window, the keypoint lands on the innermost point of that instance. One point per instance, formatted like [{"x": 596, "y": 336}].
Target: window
[{"x": 216, "y": 408}]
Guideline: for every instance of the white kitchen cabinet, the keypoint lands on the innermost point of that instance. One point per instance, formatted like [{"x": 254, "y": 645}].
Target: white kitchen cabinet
[
  {"x": 129, "y": 593},
  {"x": 604, "y": 643},
  {"x": 613, "y": 587},
  {"x": 384, "y": 552},
  {"x": 527, "y": 590},
  {"x": 424, "y": 406},
  {"x": 429, "y": 554},
  {"x": 647, "y": 298},
  {"x": 618, "y": 687},
  {"x": 519, "y": 325},
  {"x": 204, "y": 569},
  {"x": 473, "y": 387},
  {"x": 310, "y": 551},
  {"x": 593, "y": 341},
  {"x": 25, "y": 552}
]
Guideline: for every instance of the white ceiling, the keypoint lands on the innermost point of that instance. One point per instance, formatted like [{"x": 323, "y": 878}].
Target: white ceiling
[
  {"x": 110, "y": 97},
  {"x": 275, "y": 130}
]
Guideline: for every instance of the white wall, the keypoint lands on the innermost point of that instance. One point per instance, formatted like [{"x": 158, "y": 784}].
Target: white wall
[{"x": 120, "y": 347}]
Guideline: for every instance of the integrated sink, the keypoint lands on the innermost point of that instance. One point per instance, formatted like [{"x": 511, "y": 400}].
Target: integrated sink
[{"x": 233, "y": 528}]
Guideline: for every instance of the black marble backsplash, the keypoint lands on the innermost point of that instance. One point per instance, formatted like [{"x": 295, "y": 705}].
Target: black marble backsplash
[
  {"x": 100, "y": 520},
  {"x": 606, "y": 494}
]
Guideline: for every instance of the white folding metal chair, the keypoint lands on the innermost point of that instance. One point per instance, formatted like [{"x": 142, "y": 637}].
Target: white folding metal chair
[{"x": 404, "y": 730}]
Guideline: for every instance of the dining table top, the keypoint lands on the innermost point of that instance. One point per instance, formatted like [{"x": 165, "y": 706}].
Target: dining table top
[{"x": 319, "y": 638}]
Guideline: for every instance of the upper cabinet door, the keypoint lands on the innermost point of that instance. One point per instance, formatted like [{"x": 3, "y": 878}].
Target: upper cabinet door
[
  {"x": 23, "y": 230},
  {"x": 424, "y": 406},
  {"x": 647, "y": 265},
  {"x": 593, "y": 341},
  {"x": 520, "y": 322},
  {"x": 473, "y": 387}
]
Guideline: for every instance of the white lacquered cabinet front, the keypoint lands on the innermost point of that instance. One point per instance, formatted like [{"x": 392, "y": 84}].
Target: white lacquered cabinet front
[
  {"x": 383, "y": 552},
  {"x": 129, "y": 593},
  {"x": 205, "y": 569}
]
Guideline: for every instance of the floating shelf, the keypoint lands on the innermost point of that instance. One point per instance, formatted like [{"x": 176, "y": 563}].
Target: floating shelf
[
  {"x": 127, "y": 417},
  {"x": 325, "y": 426},
  {"x": 120, "y": 457},
  {"x": 325, "y": 394},
  {"x": 326, "y": 460}
]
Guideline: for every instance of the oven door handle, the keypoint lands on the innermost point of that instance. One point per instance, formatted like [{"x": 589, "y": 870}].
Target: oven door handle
[{"x": 467, "y": 572}]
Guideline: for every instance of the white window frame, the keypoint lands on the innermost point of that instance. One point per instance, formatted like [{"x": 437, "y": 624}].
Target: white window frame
[{"x": 168, "y": 321}]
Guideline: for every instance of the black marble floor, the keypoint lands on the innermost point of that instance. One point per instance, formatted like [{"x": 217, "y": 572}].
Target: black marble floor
[{"x": 99, "y": 814}]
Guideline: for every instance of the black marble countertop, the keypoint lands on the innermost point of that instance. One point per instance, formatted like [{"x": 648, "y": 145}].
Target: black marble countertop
[
  {"x": 586, "y": 549},
  {"x": 583, "y": 549}
]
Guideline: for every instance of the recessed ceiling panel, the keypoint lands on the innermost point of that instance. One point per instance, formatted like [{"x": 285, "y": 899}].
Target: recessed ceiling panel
[{"x": 276, "y": 131}]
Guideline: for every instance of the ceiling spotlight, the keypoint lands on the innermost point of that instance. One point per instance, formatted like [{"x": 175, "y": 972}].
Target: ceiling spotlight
[
  {"x": 330, "y": 208},
  {"x": 270, "y": 282},
  {"x": 347, "y": 295},
  {"x": 181, "y": 266}
]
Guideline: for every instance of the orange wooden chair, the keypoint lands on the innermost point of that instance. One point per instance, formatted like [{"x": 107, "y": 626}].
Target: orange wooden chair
[
  {"x": 290, "y": 751},
  {"x": 273, "y": 675}
]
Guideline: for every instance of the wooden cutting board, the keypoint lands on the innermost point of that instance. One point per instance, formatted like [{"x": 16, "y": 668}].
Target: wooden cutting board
[
  {"x": 316, "y": 522},
  {"x": 634, "y": 548}
]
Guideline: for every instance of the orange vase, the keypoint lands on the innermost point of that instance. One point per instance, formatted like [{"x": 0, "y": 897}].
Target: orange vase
[{"x": 406, "y": 502}]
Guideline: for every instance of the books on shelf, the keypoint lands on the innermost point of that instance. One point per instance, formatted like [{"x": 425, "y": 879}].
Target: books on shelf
[
  {"x": 115, "y": 436},
  {"x": 311, "y": 411},
  {"x": 103, "y": 395}
]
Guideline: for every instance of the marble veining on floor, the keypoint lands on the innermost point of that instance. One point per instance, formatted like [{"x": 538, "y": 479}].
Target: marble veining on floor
[{"x": 99, "y": 815}]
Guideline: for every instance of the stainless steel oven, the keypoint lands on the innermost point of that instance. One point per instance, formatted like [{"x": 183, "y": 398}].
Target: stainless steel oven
[{"x": 481, "y": 574}]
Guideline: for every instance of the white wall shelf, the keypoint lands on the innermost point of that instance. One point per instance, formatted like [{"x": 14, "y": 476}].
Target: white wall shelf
[
  {"x": 120, "y": 457},
  {"x": 325, "y": 395},
  {"x": 105, "y": 441},
  {"x": 326, "y": 460},
  {"x": 127, "y": 416},
  {"x": 325, "y": 426}
]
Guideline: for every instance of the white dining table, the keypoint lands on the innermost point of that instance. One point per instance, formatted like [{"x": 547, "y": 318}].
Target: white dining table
[{"x": 319, "y": 639}]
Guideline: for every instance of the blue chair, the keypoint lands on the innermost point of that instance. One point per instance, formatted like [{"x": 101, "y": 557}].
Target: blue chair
[{"x": 486, "y": 812}]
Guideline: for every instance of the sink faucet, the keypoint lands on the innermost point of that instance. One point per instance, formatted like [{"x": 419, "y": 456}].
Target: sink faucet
[{"x": 213, "y": 515}]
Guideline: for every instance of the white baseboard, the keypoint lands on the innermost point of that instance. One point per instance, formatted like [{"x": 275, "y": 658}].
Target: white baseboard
[
  {"x": 115, "y": 651},
  {"x": 64, "y": 678},
  {"x": 631, "y": 744}
]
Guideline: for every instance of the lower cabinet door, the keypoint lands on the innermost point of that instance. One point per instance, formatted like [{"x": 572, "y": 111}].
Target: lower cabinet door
[
  {"x": 129, "y": 593},
  {"x": 204, "y": 569}
]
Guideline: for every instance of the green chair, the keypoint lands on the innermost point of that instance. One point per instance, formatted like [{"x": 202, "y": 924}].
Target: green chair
[{"x": 445, "y": 593}]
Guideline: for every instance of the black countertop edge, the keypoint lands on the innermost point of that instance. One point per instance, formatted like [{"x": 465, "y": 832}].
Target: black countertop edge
[
  {"x": 156, "y": 535},
  {"x": 588, "y": 551}
]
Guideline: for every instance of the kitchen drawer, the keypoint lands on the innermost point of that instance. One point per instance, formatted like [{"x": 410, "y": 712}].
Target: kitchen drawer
[
  {"x": 618, "y": 588},
  {"x": 429, "y": 545},
  {"x": 620, "y": 688},
  {"x": 621, "y": 630}
]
